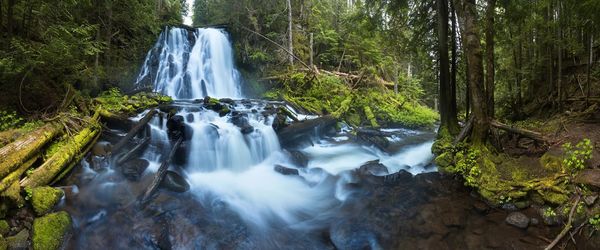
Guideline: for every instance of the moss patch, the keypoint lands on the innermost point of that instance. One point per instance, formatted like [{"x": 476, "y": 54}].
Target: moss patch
[
  {"x": 115, "y": 102},
  {"x": 45, "y": 198},
  {"x": 4, "y": 227},
  {"x": 50, "y": 231}
]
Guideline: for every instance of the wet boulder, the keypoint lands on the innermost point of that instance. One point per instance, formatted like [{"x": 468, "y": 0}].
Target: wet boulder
[
  {"x": 102, "y": 148},
  {"x": 352, "y": 234},
  {"x": 214, "y": 105},
  {"x": 300, "y": 132},
  {"x": 373, "y": 138},
  {"x": 133, "y": 169},
  {"x": 373, "y": 168},
  {"x": 176, "y": 126},
  {"x": 241, "y": 120},
  {"x": 279, "y": 122},
  {"x": 175, "y": 182},
  {"x": 285, "y": 170},
  {"x": 19, "y": 241},
  {"x": 518, "y": 219}
]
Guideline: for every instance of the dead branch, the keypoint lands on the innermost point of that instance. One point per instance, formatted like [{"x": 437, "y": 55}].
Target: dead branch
[
  {"x": 134, "y": 130},
  {"x": 160, "y": 174},
  {"x": 567, "y": 227}
]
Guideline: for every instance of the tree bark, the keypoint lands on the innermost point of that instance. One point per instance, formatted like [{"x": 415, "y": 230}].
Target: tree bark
[
  {"x": 490, "y": 62},
  {"x": 21, "y": 150},
  {"x": 589, "y": 68},
  {"x": 9, "y": 17},
  {"x": 467, "y": 13},
  {"x": 449, "y": 122},
  {"x": 290, "y": 35},
  {"x": 454, "y": 72},
  {"x": 560, "y": 53}
]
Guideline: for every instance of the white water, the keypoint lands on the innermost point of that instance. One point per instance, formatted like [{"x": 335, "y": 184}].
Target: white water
[
  {"x": 238, "y": 169},
  {"x": 192, "y": 66}
]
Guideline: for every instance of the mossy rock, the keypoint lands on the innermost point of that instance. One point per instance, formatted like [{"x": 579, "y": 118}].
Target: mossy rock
[
  {"x": 18, "y": 241},
  {"x": 49, "y": 231},
  {"x": 554, "y": 197},
  {"x": 44, "y": 199},
  {"x": 13, "y": 195},
  {"x": 4, "y": 227},
  {"x": 444, "y": 160},
  {"x": 551, "y": 162}
]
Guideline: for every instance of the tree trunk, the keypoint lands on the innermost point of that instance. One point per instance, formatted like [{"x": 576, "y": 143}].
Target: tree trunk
[
  {"x": 453, "y": 73},
  {"x": 290, "y": 35},
  {"x": 18, "y": 152},
  {"x": 9, "y": 17},
  {"x": 489, "y": 44},
  {"x": 449, "y": 121},
  {"x": 560, "y": 53},
  {"x": 467, "y": 13},
  {"x": 44, "y": 174},
  {"x": 589, "y": 68}
]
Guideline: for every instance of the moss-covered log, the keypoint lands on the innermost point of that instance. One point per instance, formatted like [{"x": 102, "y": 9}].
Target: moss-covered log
[
  {"x": 13, "y": 155},
  {"x": 16, "y": 175},
  {"x": 55, "y": 164}
]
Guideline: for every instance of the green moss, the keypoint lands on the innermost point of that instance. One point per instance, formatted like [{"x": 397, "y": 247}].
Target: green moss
[
  {"x": 370, "y": 117},
  {"x": 445, "y": 160},
  {"x": 113, "y": 101},
  {"x": 45, "y": 198},
  {"x": 4, "y": 227},
  {"x": 551, "y": 162},
  {"x": 50, "y": 231},
  {"x": 554, "y": 197},
  {"x": 3, "y": 243}
]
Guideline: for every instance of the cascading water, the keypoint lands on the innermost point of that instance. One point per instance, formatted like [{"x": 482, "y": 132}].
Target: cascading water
[
  {"x": 228, "y": 157},
  {"x": 191, "y": 64}
]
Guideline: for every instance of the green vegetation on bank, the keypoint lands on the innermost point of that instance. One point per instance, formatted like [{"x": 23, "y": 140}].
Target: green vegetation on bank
[{"x": 361, "y": 106}]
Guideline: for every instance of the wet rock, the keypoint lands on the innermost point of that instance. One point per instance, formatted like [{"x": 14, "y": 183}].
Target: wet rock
[
  {"x": 190, "y": 117},
  {"x": 44, "y": 199},
  {"x": 19, "y": 241},
  {"x": 373, "y": 168},
  {"x": 590, "y": 199},
  {"x": 348, "y": 234},
  {"x": 247, "y": 129},
  {"x": 285, "y": 170},
  {"x": 133, "y": 169},
  {"x": 373, "y": 138},
  {"x": 509, "y": 207},
  {"x": 398, "y": 177},
  {"x": 534, "y": 222},
  {"x": 300, "y": 132},
  {"x": 517, "y": 219},
  {"x": 241, "y": 121},
  {"x": 49, "y": 231},
  {"x": 481, "y": 207},
  {"x": 102, "y": 148},
  {"x": 298, "y": 158},
  {"x": 226, "y": 100},
  {"x": 279, "y": 122},
  {"x": 176, "y": 126},
  {"x": 175, "y": 182}
]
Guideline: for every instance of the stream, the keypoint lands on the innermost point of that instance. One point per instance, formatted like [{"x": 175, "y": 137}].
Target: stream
[{"x": 232, "y": 185}]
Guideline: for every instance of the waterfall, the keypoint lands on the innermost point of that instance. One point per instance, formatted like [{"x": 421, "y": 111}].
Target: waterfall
[{"x": 191, "y": 64}]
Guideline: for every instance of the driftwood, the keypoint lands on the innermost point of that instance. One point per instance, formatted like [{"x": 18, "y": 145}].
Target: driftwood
[
  {"x": 160, "y": 174},
  {"x": 466, "y": 130},
  {"x": 523, "y": 132},
  {"x": 56, "y": 163},
  {"x": 140, "y": 145},
  {"x": 567, "y": 227},
  {"x": 21, "y": 150},
  {"x": 141, "y": 124}
]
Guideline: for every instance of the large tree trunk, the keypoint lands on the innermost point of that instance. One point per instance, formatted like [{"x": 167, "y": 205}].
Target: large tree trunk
[
  {"x": 9, "y": 17},
  {"x": 20, "y": 151},
  {"x": 467, "y": 13},
  {"x": 290, "y": 35},
  {"x": 489, "y": 50},
  {"x": 453, "y": 102},
  {"x": 448, "y": 119}
]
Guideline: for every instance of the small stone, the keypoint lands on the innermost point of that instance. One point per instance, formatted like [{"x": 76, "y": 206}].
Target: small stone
[
  {"x": 517, "y": 219},
  {"x": 175, "y": 182},
  {"x": 44, "y": 199},
  {"x": 299, "y": 158},
  {"x": 590, "y": 199},
  {"x": 534, "y": 222},
  {"x": 133, "y": 169},
  {"x": 49, "y": 231},
  {"x": 285, "y": 170},
  {"x": 481, "y": 207},
  {"x": 522, "y": 204},
  {"x": 18, "y": 241},
  {"x": 509, "y": 207}
]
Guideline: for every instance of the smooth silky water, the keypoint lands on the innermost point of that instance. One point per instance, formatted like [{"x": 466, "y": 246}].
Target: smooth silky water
[{"x": 236, "y": 198}]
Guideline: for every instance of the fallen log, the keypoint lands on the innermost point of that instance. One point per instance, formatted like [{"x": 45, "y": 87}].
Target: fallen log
[
  {"x": 304, "y": 129},
  {"x": 160, "y": 174},
  {"x": 140, "y": 145},
  {"x": 523, "y": 132},
  {"x": 76, "y": 160},
  {"x": 53, "y": 166},
  {"x": 16, "y": 175},
  {"x": 466, "y": 130},
  {"x": 21, "y": 150},
  {"x": 136, "y": 128}
]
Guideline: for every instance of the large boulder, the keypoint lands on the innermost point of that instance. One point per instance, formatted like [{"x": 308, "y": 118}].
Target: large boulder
[
  {"x": 176, "y": 126},
  {"x": 50, "y": 231},
  {"x": 373, "y": 168},
  {"x": 300, "y": 132},
  {"x": 44, "y": 199},
  {"x": 298, "y": 158},
  {"x": 19, "y": 241},
  {"x": 375, "y": 138},
  {"x": 175, "y": 182}
]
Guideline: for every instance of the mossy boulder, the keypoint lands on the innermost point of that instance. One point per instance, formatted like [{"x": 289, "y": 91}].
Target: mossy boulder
[
  {"x": 3, "y": 243},
  {"x": 44, "y": 199},
  {"x": 18, "y": 241},
  {"x": 4, "y": 227},
  {"x": 551, "y": 162},
  {"x": 49, "y": 231},
  {"x": 444, "y": 160}
]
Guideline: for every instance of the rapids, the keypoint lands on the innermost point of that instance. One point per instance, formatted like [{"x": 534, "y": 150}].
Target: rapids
[{"x": 236, "y": 198}]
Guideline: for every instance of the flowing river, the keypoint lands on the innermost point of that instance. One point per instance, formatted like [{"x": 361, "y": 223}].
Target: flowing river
[{"x": 233, "y": 185}]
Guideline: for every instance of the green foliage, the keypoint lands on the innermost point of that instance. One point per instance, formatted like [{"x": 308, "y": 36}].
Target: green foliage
[
  {"x": 467, "y": 165},
  {"x": 575, "y": 156},
  {"x": 9, "y": 120},
  {"x": 114, "y": 101},
  {"x": 549, "y": 212},
  {"x": 595, "y": 222}
]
